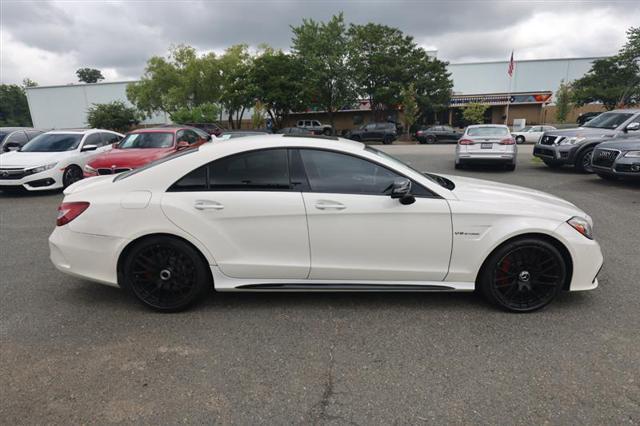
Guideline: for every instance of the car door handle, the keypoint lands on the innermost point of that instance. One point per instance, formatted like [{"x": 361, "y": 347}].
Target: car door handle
[
  {"x": 330, "y": 205},
  {"x": 207, "y": 205}
]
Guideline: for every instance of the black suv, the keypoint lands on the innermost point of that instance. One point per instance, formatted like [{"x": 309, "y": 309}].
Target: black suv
[
  {"x": 385, "y": 132},
  {"x": 575, "y": 146}
]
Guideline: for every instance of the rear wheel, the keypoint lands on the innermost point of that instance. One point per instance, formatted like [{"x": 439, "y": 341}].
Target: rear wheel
[
  {"x": 326, "y": 132},
  {"x": 430, "y": 139},
  {"x": 520, "y": 139},
  {"x": 165, "y": 274},
  {"x": 71, "y": 175},
  {"x": 387, "y": 140},
  {"x": 583, "y": 162},
  {"x": 459, "y": 166},
  {"x": 523, "y": 275}
]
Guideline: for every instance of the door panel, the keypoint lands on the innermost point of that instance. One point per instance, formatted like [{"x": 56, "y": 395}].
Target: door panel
[
  {"x": 251, "y": 234},
  {"x": 374, "y": 237}
]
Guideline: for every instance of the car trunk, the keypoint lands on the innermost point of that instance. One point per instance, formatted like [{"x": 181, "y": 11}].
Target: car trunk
[{"x": 487, "y": 144}]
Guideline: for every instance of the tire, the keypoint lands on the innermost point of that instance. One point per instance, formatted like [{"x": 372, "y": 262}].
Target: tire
[
  {"x": 606, "y": 176},
  {"x": 523, "y": 275},
  {"x": 387, "y": 140},
  {"x": 552, "y": 164},
  {"x": 430, "y": 140},
  {"x": 459, "y": 166},
  {"x": 165, "y": 274},
  {"x": 510, "y": 167},
  {"x": 71, "y": 175},
  {"x": 583, "y": 161},
  {"x": 326, "y": 132},
  {"x": 520, "y": 140}
]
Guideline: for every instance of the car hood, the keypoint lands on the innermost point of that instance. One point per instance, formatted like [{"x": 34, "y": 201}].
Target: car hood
[
  {"x": 586, "y": 132},
  {"x": 29, "y": 159},
  {"x": 622, "y": 145},
  {"x": 513, "y": 199},
  {"x": 135, "y": 157}
]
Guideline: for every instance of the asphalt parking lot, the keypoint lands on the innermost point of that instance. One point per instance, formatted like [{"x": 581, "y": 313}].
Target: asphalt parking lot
[{"x": 76, "y": 352}]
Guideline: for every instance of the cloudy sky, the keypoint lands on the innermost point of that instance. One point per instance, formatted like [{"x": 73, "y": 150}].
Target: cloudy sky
[{"x": 47, "y": 41}]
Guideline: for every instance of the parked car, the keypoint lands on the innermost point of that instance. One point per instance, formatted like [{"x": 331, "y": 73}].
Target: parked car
[
  {"x": 575, "y": 146},
  {"x": 294, "y": 131},
  {"x": 213, "y": 129},
  {"x": 143, "y": 146},
  {"x": 586, "y": 116},
  {"x": 617, "y": 159},
  {"x": 247, "y": 217},
  {"x": 435, "y": 134},
  {"x": 54, "y": 159},
  {"x": 385, "y": 132},
  {"x": 487, "y": 144},
  {"x": 315, "y": 126},
  {"x": 530, "y": 133},
  {"x": 12, "y": 138}
]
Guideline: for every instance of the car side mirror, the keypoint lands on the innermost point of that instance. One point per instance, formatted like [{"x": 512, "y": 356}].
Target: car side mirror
[
  {"x": 633, "y": 126},
  {"x": 89, "y": 148},
  {"x": 401, "y": 190},
  {"x": 208, "y": 137},
  {"x": 183, "y": 145}
]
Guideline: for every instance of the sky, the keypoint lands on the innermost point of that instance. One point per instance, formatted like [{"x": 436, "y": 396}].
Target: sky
[{"x": 47, "y": 41}]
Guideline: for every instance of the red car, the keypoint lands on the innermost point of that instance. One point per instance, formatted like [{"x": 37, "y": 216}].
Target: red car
[{"x": 143, "y": 146}]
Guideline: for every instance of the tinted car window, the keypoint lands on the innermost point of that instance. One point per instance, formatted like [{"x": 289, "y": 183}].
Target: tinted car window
[
  {"x": 194, "y": 181},
  {"x": 53, "y": 142},
  {"x": 267, "y": 169},
  {"x": 339, "y": 173}
]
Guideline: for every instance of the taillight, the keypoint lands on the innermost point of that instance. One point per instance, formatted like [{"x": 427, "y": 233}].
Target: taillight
[
  {"x": 508, "y": 141},
  {"x": 466, "y": 142},
  {"x": 69, "y": 211}
]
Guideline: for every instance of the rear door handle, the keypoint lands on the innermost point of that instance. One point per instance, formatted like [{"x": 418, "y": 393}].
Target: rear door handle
[
  {"x": 207, "y": 205},
  {"x": 330, "y": 205}
]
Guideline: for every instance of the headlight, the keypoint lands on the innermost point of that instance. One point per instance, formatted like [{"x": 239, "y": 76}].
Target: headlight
[
  {"x": 632, "y": 154},
  {"x": 89, "y": 169},
  {"x": 42, "y": 168},
  {"x": 581, "y": 225},
  {"x": 571, "y": 141}
]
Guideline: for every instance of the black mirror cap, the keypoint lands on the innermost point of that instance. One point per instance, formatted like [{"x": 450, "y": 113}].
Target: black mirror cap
[{"x": 401, "y": 189}]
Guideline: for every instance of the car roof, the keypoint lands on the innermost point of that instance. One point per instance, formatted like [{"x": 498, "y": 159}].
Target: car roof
[
  {"x": 627, "y": 110},
  {"x": 168, "y": 129},
  {"x": 486, "y": 125},
  {"x": 79, "y": 131},
  {"x": 13, "y": 129},
  {"x": 286, "y": 141}
]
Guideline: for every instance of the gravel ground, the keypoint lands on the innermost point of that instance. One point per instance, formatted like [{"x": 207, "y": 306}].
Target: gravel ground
[{"x": 76, "y": 352}]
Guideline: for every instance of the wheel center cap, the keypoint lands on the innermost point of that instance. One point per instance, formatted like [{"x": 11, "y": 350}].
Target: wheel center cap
[
  {"x": 524, "y": 276},
  {"x": 165, "y": 274}
]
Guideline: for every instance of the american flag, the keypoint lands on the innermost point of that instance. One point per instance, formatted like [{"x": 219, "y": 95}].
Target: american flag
[{"x": 512, "y": 66}]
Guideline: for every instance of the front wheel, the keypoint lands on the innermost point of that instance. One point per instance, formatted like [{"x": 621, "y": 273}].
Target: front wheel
[
  {"x": 387, "y": 140},
  {"x": 583, "y": 162},
  {"x": 523, "y": 275},
  {"x": 165, "y": 274},
  {"x": 71, "y": 175},
  {"x": 520, "y": 139},
  {"x": 431, "y": 140},
  {"x": 326, "y": 132}
]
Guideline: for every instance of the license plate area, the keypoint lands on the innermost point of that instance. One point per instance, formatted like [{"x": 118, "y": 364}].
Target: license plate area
[{"x": 486, "y": 145}]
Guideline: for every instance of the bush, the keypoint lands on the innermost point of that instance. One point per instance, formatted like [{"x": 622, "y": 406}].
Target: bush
[
  {"x": 205, "y": 113},
  {"x": 474, "y": 113},
  {"x": 112, "y": 116}
]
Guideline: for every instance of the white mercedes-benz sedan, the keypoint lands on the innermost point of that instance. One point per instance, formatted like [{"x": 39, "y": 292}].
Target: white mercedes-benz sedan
[{"x": 289, "y": 213}]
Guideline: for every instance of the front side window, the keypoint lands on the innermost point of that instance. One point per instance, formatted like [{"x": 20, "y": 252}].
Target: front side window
[
  {"x": 53, "y": 142},
  {"x": 147, "y": 140},
  {"x": 110, "y": 138},
  {"x": 188, "y": 136},
  {"x": 94, "y": 139},
  {"x": 333, "y": 172}
]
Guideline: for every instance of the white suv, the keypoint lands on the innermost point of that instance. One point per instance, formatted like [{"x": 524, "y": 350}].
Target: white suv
[{"x": 315, "y": 126}]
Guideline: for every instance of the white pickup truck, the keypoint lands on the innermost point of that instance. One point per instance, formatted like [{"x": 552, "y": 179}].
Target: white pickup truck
[{"x": 315, "y": 126}]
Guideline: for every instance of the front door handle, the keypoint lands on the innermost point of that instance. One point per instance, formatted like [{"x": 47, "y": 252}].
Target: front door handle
[
  {"x": 207, "y": 205},
  {"x": 330, "y": 205}
]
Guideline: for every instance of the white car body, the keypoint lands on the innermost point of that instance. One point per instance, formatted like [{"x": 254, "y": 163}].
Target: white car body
[
  {"x": 16, "y": 166},
  {"x": 259, "y": 240},
  {"x": 532, "y": 135}
]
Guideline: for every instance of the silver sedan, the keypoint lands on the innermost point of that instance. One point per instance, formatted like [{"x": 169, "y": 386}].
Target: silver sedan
[{"x": 487, "y": 144}]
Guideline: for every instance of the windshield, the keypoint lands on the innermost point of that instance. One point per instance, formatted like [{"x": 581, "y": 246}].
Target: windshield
[
  {"x": 487, "y": 131},
  {"x": 147, "y": 140},
  {"x": 3, "y": 135},
  {"x": 608, "y": 120},
  {"x": 53, "y": 142}
]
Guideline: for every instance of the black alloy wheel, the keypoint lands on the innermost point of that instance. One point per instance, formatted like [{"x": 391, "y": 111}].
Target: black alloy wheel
[
  {"x": 583, "y": 162},
  {"x": 71, "y": 175},
  {"x": 166, "y": 274},
  {"x": 524, "y": 275}
]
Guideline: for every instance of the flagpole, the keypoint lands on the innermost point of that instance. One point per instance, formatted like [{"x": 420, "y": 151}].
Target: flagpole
[{"x": 510, "y": 71}]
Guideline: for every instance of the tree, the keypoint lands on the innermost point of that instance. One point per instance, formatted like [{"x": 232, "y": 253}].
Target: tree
[
  {"x": 563, "y": 101},
  {"x": 474, "y": 113},
  {"x": 113, "y": 116},
  {"x": 409, "y": 106},
  {"x": 322, "y": 49},
  {"x": 89, "y": 75},
  {"x": 27, "y": 82},
  {"x": 14, "y": 108},
  {"x": 236, "y": 91},
  {"x": 181, "y": 80},
  {"x": 278, "y": 85},
  {"x": 204, "y": 113},
  {"x": 613, "y": 81},
  {"x": 257, "y": 119}
]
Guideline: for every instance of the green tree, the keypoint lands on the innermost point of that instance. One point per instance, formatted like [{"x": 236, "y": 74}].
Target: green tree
[
  {"x": 112, "y": 116},
  {"x": 14, "y": 108},
  {"x": 323, "y": 51},
  {"x": 257, "y": 119},
  {"x": 204, "y": 113},
  {"x": 236, "y": 92},
  {"x": 474, "y": 113},
  {"x": 563, "y": 101},
  {"x": 278, "y": 85},
  {"x": 613, "y": 81},
  {"x": 409, "y": 107},
  {"x": 27, "y": 82},
  {"x": 181, "y": 80},
  {"x": 89, "y": 75}
]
